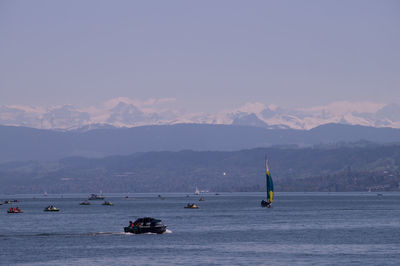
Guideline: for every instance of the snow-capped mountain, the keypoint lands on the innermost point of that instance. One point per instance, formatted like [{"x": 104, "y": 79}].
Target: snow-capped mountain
[{"x": 125, "y": 112}]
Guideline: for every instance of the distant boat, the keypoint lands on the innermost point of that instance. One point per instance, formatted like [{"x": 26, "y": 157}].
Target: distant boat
[
  {"x": 85, "y": 203},
  {"x": 96, "y": 197},
  {"x": 197, "y": 191},
  {"x": 161, "y": 197},
  {"x": 45, "y": 194},
  {"x": 191, "y": 206},
  {"x": 201, "y": 199},
  {"x": 51, "y": 208},
  {"x": 270, "y": 187},
  {"x": 15, "y": 210},
  {"x": 108, "y": 203}
]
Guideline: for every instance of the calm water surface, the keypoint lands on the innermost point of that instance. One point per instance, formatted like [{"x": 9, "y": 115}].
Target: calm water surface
[{"x": 230, "y": 228}]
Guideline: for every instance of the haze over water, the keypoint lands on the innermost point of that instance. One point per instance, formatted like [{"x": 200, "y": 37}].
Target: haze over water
[{"x": 231, "y": 228}]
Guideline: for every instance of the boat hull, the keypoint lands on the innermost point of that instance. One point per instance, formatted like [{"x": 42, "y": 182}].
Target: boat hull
[
  {"x": 145, "y": 229},
  {"x": 265, "y": 204}
]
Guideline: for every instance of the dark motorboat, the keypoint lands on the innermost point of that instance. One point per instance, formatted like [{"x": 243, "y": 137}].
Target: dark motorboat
[
  {"x": 85, "y": 203},
  {"x": 146, "y": 225},
  {"x": 191, "y": 206},
  {"x": 96, "y": 197},
  {"x": 51, "y": 208},
  {"x": 201, "y": 199},
  {"x": 15, "y": 210},
  {"x": 108, "y": 203}
]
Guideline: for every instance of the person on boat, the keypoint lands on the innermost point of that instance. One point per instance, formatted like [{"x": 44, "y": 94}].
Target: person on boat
[
  {"x": 130, "y": 224},
  {"x": 10, "y": 209}
]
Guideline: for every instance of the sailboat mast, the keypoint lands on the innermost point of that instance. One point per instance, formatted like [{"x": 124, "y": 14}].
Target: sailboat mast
[
  {"x": 270, "y": 184},
  {"x": 266, "y": 174}
]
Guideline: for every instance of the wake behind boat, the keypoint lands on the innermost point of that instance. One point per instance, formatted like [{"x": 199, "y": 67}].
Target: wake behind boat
[
  {"x": 270, "y": 187},
  {"x": 146, "y": 225}
]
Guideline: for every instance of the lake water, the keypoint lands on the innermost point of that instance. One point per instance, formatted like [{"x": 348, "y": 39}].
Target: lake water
[{"x": 230, "y": 228}]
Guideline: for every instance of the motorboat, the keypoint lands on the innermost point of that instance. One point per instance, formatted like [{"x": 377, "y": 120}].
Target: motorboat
[
  {"x": 191, "y": 206},
  {"x": 146, "y": 225},
  {"x": 84, "y": 203},
  {"x": 96, "y": 197},
  {"x": 201, "y": 199},
  {"x": 108, "y": 203},
  {"x": 51, "y": 208},
  {"x": 15, "y": 210}
]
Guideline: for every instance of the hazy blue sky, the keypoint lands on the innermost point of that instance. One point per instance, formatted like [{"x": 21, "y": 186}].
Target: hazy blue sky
[{"x": 207, "y": 54}]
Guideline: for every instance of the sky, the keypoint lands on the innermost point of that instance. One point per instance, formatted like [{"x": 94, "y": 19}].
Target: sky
[{"x": 208, "y": 55}]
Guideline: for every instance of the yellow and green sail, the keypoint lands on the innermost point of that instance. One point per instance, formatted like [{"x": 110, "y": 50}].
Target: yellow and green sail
[{"x": 269, "y": 183}]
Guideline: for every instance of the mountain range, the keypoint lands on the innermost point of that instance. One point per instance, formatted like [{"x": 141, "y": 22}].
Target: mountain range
[{"x": 125, "y": 112}]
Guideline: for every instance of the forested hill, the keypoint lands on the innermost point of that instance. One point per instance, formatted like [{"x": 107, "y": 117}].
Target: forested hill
[
  {"x": 21, "y": 144},
  {"x": 324, "y": 168}
]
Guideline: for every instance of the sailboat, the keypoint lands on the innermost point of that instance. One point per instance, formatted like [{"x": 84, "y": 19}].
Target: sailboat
[
  {"x": 197, "y": 191},
  {"x": 270, "y": 187}
]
